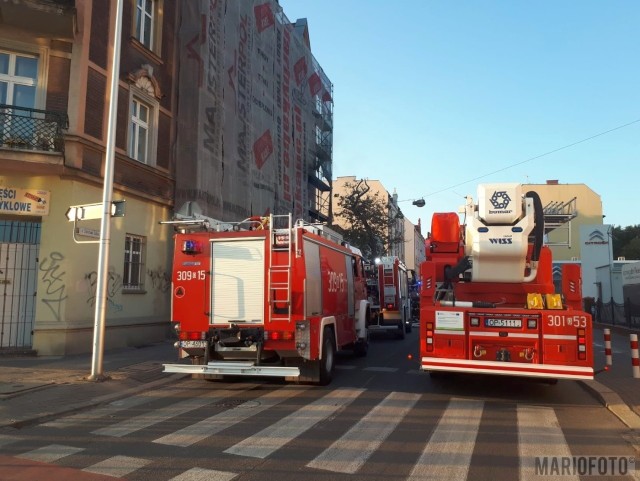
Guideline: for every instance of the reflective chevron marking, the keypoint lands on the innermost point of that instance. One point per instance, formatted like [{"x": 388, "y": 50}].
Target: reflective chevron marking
[
  {"x": 151, "y": 418},
  {"x": 277, "y": 435},
  {"x": 117, "y": 466},
  {"x": 448, "y": 453},
  {"x": 352, "y": 450},
  {"x": 539, "y": 434},
  {"x": 50, "y": 453},
  {"x": 214, "y": 424}
]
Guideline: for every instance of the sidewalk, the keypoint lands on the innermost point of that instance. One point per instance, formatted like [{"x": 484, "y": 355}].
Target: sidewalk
[
  {"x": 616, "y": 388},
  {"x": 33, "y": 389}
]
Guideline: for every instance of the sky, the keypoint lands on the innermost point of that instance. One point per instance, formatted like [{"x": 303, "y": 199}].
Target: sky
[{"x": 433, "y": 97}]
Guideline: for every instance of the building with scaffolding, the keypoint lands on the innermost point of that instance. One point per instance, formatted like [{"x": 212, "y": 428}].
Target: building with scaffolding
[
  {"x": 566, "y": 208},
  {"x": 255, "y": 115}
]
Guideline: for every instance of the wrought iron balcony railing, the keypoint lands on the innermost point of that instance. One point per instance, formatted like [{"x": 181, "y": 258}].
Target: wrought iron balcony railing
[{"x": 32, "y": 129}]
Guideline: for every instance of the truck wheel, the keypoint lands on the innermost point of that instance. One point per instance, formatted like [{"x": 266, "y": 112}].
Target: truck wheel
[
  {"x": 400, "y": 333},
  {"x": 328, "y": 357},
  {"x": 361, "y": 347}
]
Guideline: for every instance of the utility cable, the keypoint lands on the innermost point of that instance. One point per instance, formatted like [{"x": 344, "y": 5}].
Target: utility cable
[{"x": 534, "y": 158}]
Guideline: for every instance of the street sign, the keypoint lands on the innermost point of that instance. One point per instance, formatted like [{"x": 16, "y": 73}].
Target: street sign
[{"x": 94, "y": 211}]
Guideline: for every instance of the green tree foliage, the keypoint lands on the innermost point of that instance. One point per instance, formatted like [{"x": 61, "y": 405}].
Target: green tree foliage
[
  {"x": 365, "y": 218},
  {"x": 626, "y": 242}
]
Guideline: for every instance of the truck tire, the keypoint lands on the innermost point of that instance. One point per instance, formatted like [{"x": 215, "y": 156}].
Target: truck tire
[
  {"x": 400, "y": 332},
  {"x": 328, "y": 357},
  {"x": 361, "y": 347}
]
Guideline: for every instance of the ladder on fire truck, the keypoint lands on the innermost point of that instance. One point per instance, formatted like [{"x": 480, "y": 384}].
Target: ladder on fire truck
[
  {"x": 388, "y": 284},
  {"x": 280, "y": 273}
]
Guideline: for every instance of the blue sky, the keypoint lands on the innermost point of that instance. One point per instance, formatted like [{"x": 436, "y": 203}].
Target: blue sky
[{"x": 433, "y": 97}]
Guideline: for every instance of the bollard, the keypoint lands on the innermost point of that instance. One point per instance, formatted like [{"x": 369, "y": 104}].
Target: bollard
[
  {"x": 607, "y": 347},
  {"x": 635, "y": 360}
]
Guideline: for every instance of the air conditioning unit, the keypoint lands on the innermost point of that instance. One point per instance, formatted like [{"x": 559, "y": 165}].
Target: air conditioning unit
[
  {"x": 574, "y": 258},
  {"x": 622, "y": 258}
]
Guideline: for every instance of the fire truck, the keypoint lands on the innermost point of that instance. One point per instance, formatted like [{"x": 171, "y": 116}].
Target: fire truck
[
  {"x": 263, "y": 297},
  {"x": 394, "y": 313},
  {"x": 488, "y": 303}
]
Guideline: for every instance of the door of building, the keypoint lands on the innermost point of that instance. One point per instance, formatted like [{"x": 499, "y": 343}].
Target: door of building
[{"x": 19, "y": 246}]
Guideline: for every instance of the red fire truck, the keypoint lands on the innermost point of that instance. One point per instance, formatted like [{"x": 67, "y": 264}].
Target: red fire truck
[
  {"x": 394, "y": 313},
  {"x": 258, "y": 299},
  {"x": 488, "y": 302}
]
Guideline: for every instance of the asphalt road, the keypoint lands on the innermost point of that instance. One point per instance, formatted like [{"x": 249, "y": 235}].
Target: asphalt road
[{"x": 380, "y": 419}]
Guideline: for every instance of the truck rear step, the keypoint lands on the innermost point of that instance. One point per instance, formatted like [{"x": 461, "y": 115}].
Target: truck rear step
[{"x": 246, "y": 368}]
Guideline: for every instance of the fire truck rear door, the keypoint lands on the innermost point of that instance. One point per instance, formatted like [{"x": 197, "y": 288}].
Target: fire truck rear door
[{"x": 237, "y": 284}]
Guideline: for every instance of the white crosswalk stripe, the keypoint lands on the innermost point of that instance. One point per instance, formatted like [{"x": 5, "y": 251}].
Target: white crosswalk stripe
[
  {"x": 117, "y": 466},
  {"x": 352, "y": 450},
  {"x": 50, "y": 453},
  {"x": 4, "y": 440},
  {"x": 539, "y": 434},
  {"x": 448, "y": 453},
  {"x": 285, "y": 430},
  {"x": 152, "y": 418},
  {"x": 110, "y": 409},
  {"x": 200, "y": 474},
  {"x": 214, "y": 424}
]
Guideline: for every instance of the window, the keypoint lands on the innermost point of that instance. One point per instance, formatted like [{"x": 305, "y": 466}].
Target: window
[
  {"x": 139, "y": 133},
  {"x": 18, "y": 79},
  {"x": 145, "y": 22},
  {"x": 134, "y": 256}
]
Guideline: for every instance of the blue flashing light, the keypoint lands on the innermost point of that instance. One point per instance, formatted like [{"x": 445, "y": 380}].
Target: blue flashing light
[{"x": 191, "y": 247}]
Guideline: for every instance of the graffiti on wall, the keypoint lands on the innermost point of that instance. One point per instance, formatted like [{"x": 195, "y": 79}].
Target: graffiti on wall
[
  {"x": 160, "y": 280},
  {"x": 114, "y": 283},
  {"x": 53, "y": 279}
]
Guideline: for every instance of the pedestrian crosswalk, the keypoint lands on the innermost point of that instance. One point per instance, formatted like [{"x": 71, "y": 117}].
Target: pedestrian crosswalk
[{"x": 273, "y": 419}]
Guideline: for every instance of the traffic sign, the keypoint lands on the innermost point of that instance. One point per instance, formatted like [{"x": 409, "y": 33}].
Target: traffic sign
[{"x": 94, "y": 211}]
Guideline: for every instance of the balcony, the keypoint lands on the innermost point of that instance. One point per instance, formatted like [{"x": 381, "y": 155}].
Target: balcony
[
  {"x": 32, "y": 129},
  {"x": 49, "y": 18}
]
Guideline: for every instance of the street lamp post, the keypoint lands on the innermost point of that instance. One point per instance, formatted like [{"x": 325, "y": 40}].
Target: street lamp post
[{"x": 105, "y": 225}]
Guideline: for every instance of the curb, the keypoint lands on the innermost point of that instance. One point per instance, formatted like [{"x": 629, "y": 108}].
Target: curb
[
  {"x": 74, "y": 408},
  {"x": 613, "y": 402}
]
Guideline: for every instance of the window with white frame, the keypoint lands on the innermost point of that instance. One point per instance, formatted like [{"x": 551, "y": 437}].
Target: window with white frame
[
  {"x": 134, "y": 260},
  {"x": 18, "y": 79},
  {"x": 145, "y": 20},
  {"x": 139, "y": 133}
]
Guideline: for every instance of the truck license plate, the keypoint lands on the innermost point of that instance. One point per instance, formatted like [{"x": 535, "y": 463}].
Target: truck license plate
[
  {"x": 515, "y": 323},
  {"x": 193, "y": 343}
]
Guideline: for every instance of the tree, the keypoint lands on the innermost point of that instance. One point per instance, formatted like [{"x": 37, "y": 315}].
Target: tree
[
  {"x": 365, "y": 218},
  {"x": 626, "y": 242}
]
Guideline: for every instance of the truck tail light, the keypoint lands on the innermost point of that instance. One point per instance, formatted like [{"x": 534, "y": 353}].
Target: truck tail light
[
  {"x": 191, "y": 335},
  {"x": 390, "y": 306},
  {"x": 278, "y": 335},
  {"x": 582, "y": 344},
  {"x": 429, "y": 337}
]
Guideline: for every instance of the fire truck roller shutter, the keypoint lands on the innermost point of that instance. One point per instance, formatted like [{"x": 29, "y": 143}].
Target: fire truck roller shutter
[
  {"x": 351, "y": 309},
  {"x": 238, "y": 277},
  {"x": 313, "y": 299}
]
